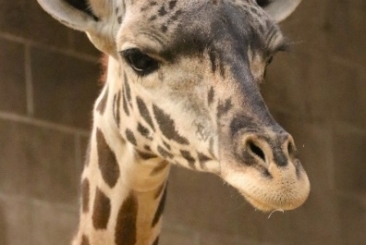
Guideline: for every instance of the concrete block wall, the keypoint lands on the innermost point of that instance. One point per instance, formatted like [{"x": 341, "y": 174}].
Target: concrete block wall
[
  {"x": 49, "y": 80},
  {"x": 317, "y": 92}
]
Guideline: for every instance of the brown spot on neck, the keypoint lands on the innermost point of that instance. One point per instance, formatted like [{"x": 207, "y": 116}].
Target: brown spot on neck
[
  {"x": 84, "y": 240},
  {"x": 160, "y": 209},
  {"x": 107, "y": 161},
  {"x": 101, "y": 211},
  {"x": 156, "y": 242},
  {"x": 126, "y": 222},
  {"x": 85, "y": 188}
]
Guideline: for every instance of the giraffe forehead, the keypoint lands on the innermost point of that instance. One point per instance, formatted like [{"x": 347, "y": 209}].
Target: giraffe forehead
[{"x": 182, "y": 26}]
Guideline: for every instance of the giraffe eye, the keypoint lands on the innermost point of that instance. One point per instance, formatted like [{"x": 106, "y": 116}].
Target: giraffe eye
[{"x": 141, "y": 63}]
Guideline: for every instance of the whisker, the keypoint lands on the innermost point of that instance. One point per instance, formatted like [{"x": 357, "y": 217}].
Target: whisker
[{"x": 277, "y": 210}]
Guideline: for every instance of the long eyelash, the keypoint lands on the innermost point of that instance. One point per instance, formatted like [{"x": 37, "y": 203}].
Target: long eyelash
[{"x": 284, "y": 47}]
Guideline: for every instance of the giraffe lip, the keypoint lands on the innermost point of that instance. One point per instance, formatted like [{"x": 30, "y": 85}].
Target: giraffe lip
[
  {"x": 281, "y": 202},
  {"x": 276, "y": 205},
  {"x": 259, "y": 204},
  {"x": 284, "y": 191},
  {"x": 265, "y": 207}
]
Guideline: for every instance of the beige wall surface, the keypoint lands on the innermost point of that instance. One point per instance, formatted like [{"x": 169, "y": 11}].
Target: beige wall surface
[{"x": 49, "y": 80}]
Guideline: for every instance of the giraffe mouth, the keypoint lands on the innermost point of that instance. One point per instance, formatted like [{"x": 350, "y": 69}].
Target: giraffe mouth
[
  {"x": 260, "y": 205},
  {"x": 276, "y": 199},
  {"x": 284, "y": 190},
  {"x": 266, "y": 206}
]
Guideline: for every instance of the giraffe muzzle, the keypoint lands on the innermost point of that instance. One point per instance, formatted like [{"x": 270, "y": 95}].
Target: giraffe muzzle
[{"x": 265, "y": 169}]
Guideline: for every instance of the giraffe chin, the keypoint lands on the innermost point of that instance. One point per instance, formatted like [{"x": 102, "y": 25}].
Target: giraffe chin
[
  {"x": 265, "y": 206},
  {"x": 277, "y": 202},
  {"x": 284, "y": 191},
  {"x": 260, "y": 205}
]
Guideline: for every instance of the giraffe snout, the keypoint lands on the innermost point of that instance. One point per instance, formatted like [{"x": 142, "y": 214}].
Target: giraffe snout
[{"x": 266, "y": 169}]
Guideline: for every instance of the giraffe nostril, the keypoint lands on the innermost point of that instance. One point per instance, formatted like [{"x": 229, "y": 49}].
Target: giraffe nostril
[
  {"x": 291, "y": 149},
  {"x": 256, "y": 150}
]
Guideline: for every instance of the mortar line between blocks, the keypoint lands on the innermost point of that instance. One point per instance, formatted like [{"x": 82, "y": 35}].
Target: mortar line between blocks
[
  {"x": 40, "y": 123},
  {"x": 65, "y": 51},
  {"x": 39, "y": 202}
]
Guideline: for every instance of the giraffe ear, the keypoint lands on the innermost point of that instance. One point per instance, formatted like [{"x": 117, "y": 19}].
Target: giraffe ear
[
  {"x": 72, "y": 13},
  {"x": 279, "y": 9},
  {"x": 91, "y": 16}
]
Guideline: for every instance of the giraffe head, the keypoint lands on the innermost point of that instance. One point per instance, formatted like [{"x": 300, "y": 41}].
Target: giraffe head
[{"x": 185, "y": 77}]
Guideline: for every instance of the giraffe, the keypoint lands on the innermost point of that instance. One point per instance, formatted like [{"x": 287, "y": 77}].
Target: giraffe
[{"x": 182, "y": 88}]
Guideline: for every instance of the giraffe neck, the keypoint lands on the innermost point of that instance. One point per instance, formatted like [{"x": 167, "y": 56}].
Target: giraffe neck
[{"x": 123, "y": 193}]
